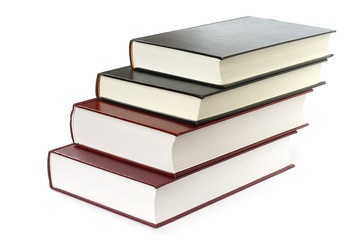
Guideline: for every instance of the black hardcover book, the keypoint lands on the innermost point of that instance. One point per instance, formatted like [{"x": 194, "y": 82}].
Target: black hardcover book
[
  {"x": 198, "y": 103},
  {"x": 230, "y": 51}
]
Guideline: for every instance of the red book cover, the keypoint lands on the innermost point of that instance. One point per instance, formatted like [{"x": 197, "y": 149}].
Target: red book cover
[
  {"x": 178, "y": 129},
  {"x": 144, "y": 176},
  {"x": 157, "y": 121}
]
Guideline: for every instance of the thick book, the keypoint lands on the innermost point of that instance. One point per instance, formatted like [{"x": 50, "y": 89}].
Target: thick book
[
  {"x": 174, "y": 147},
  {"x": 198, "y": 103},
  {"x": 155, "y": 199},
  {"x": 226, "y": 52}
]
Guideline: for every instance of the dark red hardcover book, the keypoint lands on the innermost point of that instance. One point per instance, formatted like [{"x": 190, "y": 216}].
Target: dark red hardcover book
[
  {"x": 153, "y": 198},
  {"x": 174, "y": 147}
]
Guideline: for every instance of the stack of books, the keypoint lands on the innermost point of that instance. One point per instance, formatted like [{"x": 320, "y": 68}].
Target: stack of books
[{"x": 200, "y": 114}]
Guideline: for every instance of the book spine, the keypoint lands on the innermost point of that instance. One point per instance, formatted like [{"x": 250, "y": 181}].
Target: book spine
[
  {"x": 71, "y": 125},
  {"x": 131, "y": 53},
  {"x": 97, "y": 86},
  {"x": 49, "y": 172}
]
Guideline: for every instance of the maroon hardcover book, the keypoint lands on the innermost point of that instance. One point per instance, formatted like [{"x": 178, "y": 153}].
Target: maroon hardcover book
[
  {"x": 174, "y": 147},
  {"x": 153, "y": 198}
]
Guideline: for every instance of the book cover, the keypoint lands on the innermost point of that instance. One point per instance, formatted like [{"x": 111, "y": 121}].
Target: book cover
[
  {"x": 232, "y": 51},
  {"x": 160, "y": 122},
  {"x": 79, "y": 177},
  {"x": 233, "y": 37},
  {"x": 194, "y": 102},
  {"x": 175, "y": 147}
]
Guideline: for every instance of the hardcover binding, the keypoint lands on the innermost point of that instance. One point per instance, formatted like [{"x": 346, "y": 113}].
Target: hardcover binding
[
  {"x": 182, "y": 214},
  {"x": 191, "y": 87},
  {"x": 201, "y": 165},
  {"x": 267, "y": 32},
  {"x": 156, "y": 121},
  {"x": 220, "y": 117},
  {"x": 146, "y": 175}
]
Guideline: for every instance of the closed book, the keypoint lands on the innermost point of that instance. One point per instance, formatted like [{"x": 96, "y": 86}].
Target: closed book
[
  {"x": 226, "y": 52},
  {"x": 198, "y": 103},
  {"x": 174, "y": 147},
  {"x": 153, "y": 198}
]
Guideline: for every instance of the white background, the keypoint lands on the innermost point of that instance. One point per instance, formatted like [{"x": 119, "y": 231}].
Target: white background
[{"x": 50, "y": 54}]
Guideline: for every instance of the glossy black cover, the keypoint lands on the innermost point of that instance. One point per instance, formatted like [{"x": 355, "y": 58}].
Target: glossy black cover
[
  {"x": 233, "y": 37},
  {"x": 181, "y": 85}
]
